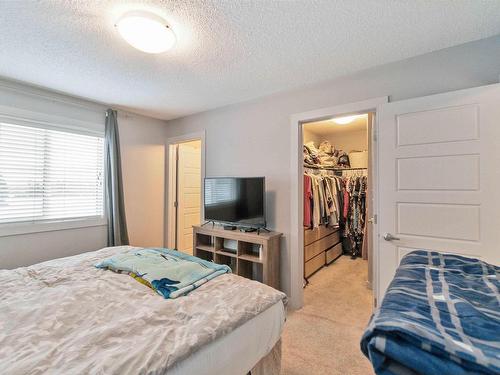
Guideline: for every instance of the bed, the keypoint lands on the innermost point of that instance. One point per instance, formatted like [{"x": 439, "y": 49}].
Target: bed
[
  {"x": 66, "y": 316},
  {"x": 440, "y": 315}
]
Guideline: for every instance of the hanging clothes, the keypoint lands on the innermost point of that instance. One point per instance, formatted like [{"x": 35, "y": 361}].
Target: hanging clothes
[
  {"x": 337, "y": 201},
  {"x": 315, "y": 203},
  {"x": 308, "y": 196},
  {"x": 354, "y": 189},
  {"x": 321, "y": 205}
]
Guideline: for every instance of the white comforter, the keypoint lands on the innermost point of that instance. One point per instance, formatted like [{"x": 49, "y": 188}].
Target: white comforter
[{"x": 67, "y": 317}]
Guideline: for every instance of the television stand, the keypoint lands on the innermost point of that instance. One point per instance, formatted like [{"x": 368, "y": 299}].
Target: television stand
[{"x": 251, "y": 255}]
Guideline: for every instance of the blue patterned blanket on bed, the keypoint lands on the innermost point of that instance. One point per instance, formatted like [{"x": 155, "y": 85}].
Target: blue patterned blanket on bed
[
  {"x": 440, "y": 315},
  {"x": 169, "y": 272}
]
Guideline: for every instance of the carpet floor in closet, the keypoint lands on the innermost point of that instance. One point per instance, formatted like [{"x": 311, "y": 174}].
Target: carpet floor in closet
[{"x": 323, "y": 337}]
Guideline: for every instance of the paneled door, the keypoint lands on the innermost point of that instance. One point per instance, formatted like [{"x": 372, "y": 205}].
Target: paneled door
[
  {"x": 188, "y": 193},
  {"x": 439, "y": 177}
]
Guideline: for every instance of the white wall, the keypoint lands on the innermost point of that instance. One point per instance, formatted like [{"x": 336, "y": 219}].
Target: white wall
[
  {"x": 310, "y": 136},
  {"x": 350, "y": 141},
  {"x": 253, "y": 138},
  {"x": 143, "y": 169},
  {"x": 142, "y": 148}
]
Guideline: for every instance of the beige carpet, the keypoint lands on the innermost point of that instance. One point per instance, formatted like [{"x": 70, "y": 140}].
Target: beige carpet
[{"x": 323, "y": 337}]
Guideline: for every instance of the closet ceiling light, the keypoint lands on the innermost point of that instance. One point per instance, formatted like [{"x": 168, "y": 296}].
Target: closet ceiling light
[
  {"x": 346, "y": 119},
  {"x": 146, "y": 31}
]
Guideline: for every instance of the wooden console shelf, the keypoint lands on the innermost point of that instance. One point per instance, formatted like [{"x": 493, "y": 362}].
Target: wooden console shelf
[{"x": 251, "y": 255}]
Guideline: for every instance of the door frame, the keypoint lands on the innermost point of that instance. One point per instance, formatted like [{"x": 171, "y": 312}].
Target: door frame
[
  {"x": 297, "y": 186},
  {"x": 170, "y": 180}
]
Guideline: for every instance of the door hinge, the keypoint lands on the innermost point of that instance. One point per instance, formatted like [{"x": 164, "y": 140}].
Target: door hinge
[
  {"x": 373, "y": 219},
  {"x": 176, "y": 204}
]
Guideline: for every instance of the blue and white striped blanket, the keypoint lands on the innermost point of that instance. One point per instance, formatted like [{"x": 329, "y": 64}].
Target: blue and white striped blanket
[{"x": 440, "y": 315}]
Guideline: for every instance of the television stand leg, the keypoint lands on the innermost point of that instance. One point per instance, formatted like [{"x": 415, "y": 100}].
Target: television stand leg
[{"x": 207, "y": 222}]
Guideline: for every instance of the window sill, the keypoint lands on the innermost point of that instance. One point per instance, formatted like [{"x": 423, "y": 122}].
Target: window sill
[{"x": 15, "y": 229}]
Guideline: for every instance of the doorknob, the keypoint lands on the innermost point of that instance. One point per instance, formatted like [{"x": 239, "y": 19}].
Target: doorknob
[{"x": 390, "y": 237}]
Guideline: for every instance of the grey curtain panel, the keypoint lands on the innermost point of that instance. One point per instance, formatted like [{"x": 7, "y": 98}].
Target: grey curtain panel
[{"x": 115, "y": 207}]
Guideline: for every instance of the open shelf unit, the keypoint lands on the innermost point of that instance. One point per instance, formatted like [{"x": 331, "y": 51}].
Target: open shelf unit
[
  {"x": 205, "y": 254},
  {"x": 251, "y": 255}
]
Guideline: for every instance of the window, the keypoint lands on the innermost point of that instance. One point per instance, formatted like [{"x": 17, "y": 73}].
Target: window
[{"x": 49, "y": 175}]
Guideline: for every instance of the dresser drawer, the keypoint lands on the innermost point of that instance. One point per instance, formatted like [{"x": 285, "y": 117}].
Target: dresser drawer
[
  {"x": 313, "y": 249},
  {"x": 314, "y": 264},
  {"x": 325, "y": 231},
  {"x": 333, "y": 253},
  {"x": 311, "y": 235}
]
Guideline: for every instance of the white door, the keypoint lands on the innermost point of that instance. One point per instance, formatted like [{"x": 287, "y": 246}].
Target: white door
[
  {"x": 188, "y": 193},
  {"x": 439, "y": 177}
]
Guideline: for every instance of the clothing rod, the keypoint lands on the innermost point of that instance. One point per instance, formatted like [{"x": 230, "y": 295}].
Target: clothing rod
[{"x": 332, "y": 168}]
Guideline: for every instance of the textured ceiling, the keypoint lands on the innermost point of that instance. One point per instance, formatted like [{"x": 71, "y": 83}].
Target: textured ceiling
[{"x": 227, "y": 51}]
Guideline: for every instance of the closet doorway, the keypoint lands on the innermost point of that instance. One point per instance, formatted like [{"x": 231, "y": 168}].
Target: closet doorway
[
  {"x": 334, "y": 254},
  {"x": 337, "y": 213},
  {"x": 337, "y": 193},
  {"x": 184, "y": 204}
]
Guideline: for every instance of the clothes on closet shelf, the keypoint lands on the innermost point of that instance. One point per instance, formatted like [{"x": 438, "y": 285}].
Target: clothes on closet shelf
[{"x": 325, "y": 155}]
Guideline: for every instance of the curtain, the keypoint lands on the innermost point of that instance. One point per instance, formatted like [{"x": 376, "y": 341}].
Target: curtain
[{"x": 115, "y": 208}]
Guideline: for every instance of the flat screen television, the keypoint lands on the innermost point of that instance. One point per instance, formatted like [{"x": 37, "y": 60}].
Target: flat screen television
[{"x": 238, "y": 201}]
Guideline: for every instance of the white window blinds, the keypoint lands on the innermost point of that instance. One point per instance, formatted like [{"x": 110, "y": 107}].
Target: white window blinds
[
  {"x": 220, "y": 190},
  {"x": 48, "y": 174}
]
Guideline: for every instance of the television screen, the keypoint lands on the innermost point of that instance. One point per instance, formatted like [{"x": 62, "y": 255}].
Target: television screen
[{"x": 235, "y": 200}]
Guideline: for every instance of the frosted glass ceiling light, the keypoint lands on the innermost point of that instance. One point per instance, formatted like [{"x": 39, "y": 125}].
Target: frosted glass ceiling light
[
  {"x": 346, "y": 120},
  {"x": 146, "y": 31}
]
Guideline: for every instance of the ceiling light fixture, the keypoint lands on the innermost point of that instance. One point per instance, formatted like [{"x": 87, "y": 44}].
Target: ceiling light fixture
[
  {"x": 346, "y": 119},
  {"x": 146, "y": 31}
]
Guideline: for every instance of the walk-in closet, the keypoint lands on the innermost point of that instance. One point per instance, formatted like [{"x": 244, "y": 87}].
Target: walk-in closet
[{"x": 337, "y": 201}]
